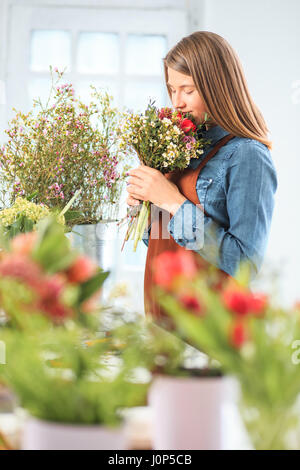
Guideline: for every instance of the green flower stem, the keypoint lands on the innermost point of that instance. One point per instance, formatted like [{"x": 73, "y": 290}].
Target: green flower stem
[
  {"x": 142, "y": 223},
  {"x": 130, "y": 228}
]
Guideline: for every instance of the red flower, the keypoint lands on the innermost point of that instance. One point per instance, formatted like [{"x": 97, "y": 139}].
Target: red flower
[
  {"x": 50, "y": 302},
  {"x": 236, "y": 301},
  {"x": 81, "y": 270},
  {"x": 186, "y": 125},
  {"x": 190, "y": 302},
  {"x": 257, "y": 303},
  {"x": 21, "y": 268},
  {"x": 242, "y": 301},
  {"x": 165, "y": 113},
  {"x": 170, "y": 264},
  {"x": 238, "y": 334}
]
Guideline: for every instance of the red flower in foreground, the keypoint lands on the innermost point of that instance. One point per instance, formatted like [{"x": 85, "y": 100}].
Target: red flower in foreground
[
  {"x": 238, "y": 334},
  {"x": 50, "y": 298},
  {"x": 187, "y": 125},
  {"x": 236, "y": 301},
  {"x": 81, "y": 270},
  {"x": 242, "y": 301},
  {"x": 21, "y": 268},
  {"x": 190, "y": 302},
  {"x": 170, "y": 264},
  {"x": 258, "y": 303},
  {"x": 47, "y": 290}
]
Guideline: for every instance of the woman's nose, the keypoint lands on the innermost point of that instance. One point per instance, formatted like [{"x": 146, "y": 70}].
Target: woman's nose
[{"x": 177, "y": 101}]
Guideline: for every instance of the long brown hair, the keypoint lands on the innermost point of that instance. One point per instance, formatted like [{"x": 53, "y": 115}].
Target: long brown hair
[{"x": 219, "y": 79}]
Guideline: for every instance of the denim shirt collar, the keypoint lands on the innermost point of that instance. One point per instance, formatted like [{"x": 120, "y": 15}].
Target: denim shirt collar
[{"x": 214, "y": 134}]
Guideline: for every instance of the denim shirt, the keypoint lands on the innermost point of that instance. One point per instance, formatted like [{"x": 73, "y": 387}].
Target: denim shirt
[{"x": 236, "y": 188}]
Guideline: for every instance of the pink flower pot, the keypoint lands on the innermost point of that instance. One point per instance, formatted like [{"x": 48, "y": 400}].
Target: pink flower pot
[
  {"x": 187, "y": 412},
  {"x": 46, "y": 435}
]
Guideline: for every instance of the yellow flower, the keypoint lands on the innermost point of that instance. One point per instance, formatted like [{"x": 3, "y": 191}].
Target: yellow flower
[{"x": 32, "y": 211}]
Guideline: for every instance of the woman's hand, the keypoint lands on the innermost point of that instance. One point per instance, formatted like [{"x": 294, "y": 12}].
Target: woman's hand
[{"x": 148, "y": 184}]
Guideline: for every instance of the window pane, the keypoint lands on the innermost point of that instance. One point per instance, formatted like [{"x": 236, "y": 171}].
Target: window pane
[
  {"x": 144, "y": 54},
  {"x": 50, "y": 48},
  {"x": 98, "y": 53},
  {"x": 138, "y": 94},
  {"x": 39, "y": 88}
]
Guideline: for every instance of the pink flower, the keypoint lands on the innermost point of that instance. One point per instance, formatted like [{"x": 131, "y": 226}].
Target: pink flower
[
  {"x": 170, "y": 264},
  {"x": 81, "y": 270},
  {"x": 23, "y": 244}
]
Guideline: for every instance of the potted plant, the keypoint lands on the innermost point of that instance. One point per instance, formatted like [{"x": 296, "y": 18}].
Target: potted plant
[
  {"x": 72, "y": 396},
  {"x": 23, "y": 216},
  {"x": 64, "y": 146},
  {"x": 187, "y": 389},
  {"x": 59, "y": 363},
  {"x": 249, "y": 337}
]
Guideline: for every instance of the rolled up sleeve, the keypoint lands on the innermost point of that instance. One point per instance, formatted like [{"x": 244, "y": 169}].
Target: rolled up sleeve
[{"x": 250, "y": 185}]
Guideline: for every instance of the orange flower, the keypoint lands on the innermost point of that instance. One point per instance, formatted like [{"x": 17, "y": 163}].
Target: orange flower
[
  {"x": 258, "y": 303},
  {"x": 81, "y": 270},
  {"x": 236, "y": 300},
  {"x": 23, "y": 244}
]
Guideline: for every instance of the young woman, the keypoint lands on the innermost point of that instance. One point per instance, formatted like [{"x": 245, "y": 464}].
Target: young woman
[{"x": 221, "y": 206}]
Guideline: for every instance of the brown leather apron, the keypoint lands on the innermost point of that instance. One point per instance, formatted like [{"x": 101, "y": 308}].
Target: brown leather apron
[{"x": 162, "y": 241}]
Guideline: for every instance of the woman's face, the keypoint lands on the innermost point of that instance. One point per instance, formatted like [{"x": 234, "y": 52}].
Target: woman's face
[{"x": 185, "y": 96}]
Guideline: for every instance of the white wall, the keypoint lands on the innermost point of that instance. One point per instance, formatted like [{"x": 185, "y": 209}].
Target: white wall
[
  {"x": 3, "y": 29},
  {"x": 266, "y": 35}
]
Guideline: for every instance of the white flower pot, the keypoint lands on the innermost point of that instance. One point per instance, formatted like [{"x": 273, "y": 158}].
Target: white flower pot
[
  {"x": 46, "y": 435},
  {"x": 187, "y": 412}
]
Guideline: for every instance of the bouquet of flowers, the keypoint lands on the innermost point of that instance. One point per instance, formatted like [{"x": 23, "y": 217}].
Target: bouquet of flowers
[
  {"x": 64, "y": 146},
  {"x": 249, "y": 337},
  {"x": 165, "y": 140}
]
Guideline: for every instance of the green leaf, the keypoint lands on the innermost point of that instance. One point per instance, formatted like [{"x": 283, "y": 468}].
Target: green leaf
[
  {"x": 53, "y": 249},
  {"x": 72, "y": 215},
  {"x": 31, "y": 196}
]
